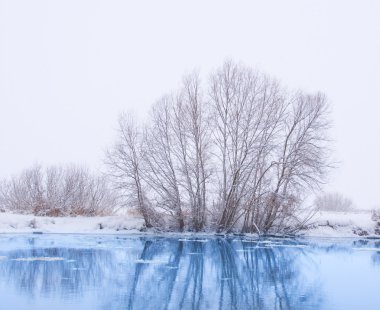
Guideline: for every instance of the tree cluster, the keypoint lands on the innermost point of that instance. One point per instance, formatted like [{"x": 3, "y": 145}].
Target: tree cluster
[{"x": 238, "y": 152}]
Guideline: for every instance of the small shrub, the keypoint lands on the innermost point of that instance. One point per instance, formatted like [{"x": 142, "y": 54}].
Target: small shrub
[
  {"x": 360, "y": 232},
  {"x": 57, "y": 191},
  {"x": 375, "y": 215},
  {"x": 377, "y": 229},
  {"x": 33, "y": 224},
  {"x": 333, "y": 202}
]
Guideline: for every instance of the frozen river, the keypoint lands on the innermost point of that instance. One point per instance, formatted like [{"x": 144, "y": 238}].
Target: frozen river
[{"x": 141, "y": 272}]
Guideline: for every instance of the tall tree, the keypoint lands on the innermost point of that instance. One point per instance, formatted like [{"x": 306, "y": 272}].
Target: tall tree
[{"x": 125, "y": 162}]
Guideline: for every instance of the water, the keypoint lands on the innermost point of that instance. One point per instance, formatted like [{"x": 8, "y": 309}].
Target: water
[{"x": 117, "y": 272}]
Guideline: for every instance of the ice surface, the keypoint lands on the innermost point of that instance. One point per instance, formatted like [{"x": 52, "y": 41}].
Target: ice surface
[
  {"x": 367, "y": 249},
  {"x": 33, "y": 259},
  {"x": 150, "y": 261}
]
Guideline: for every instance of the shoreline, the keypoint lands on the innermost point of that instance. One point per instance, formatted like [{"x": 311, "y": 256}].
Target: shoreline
[{"x": 326, "y": 224}]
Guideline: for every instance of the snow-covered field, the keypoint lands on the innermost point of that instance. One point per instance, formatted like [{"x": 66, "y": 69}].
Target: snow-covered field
[
  {"x": 323, "y": 224},
  {"x": 17, "y": 223},
  {"x": 341, "y": 224}
]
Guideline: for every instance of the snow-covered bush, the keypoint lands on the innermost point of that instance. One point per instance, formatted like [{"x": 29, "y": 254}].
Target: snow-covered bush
[
  {"x": 57, "y": 191},
  {"x": 375, "y": 215},
  {"x": 333, "y": 202}
]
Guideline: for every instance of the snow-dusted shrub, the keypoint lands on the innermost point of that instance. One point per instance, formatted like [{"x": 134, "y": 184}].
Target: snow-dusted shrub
[
  {"x": 375, "y": 215},
  {"x": 333, "y": 202},
  {"x": 57, "y": 191}
]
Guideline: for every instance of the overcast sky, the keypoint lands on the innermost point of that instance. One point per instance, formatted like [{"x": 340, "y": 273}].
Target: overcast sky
[{"x": 68, "y": 68}]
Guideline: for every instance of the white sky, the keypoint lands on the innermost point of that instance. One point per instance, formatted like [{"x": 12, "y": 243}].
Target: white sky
[{"x": 68, "y": 68}]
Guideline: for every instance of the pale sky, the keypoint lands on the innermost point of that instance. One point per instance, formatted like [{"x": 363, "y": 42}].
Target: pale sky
[{"x": 68, "y": 68}]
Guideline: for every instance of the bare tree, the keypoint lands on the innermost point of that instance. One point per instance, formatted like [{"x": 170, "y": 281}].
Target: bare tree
[
  {"x": 125, "y": 168},
  {"x": 177, "y": 154},
  {"x": 248, "y": 108},
  {"x": 192, "y": 132},
  {"x": 162, "y": 173},
  {"x": 303, "y": 156}
]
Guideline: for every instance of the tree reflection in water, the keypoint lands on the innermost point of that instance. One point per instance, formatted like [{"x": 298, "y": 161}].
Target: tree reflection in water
[{"x": 170, "y": 273}]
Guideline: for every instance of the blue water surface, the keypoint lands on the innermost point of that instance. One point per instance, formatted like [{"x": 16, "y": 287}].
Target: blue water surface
[{"x": 53, "y": 271}]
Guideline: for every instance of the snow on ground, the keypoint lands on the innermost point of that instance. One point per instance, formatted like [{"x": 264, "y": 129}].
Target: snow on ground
[
  {"x": 18, "y": 223},
  {"x": 323, "y": 224},
  {"x": 341, "y": 224}
]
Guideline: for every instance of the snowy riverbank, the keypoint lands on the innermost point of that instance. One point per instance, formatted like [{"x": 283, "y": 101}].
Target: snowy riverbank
[
  {"x": 342, "y": 224},
  {"x": 18, "y": 223},
  {"x": 323, "y": 224}
]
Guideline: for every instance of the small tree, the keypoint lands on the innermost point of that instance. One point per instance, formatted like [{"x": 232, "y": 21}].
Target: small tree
[{"x": 125, "y": 162}]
